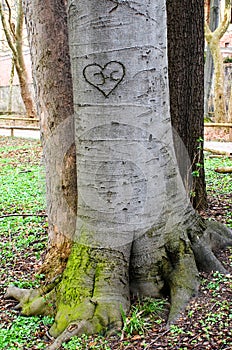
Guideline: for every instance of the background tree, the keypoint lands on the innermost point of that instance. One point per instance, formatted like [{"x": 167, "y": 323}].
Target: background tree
[
  {"x": 212, "y": 19},
  {"x": 186, "y": 83},
  {"x": 213, "y": 40},
  {"x": 135, "y": 228},
  {"x": 13, "y": 29}
]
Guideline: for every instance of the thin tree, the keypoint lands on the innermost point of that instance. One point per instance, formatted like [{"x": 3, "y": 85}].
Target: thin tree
[
  {"x": 14, "y": 35},
  {"x": 213, "y": 40},
  {"x": 135, "y": 229},
  {"x": 213, "y": 21}
]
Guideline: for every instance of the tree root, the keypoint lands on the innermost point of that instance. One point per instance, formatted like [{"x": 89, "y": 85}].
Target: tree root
[
  {"x": 31, "y": 302},
  {"x": 215, "y": 237},
  {"x": 72, "y": 330},
  {"x": 39, "y": 301},
  {"x": 102, "y": 316},
  {"x": 181, "y": 275},
  {"x": 89, "y": 295}
]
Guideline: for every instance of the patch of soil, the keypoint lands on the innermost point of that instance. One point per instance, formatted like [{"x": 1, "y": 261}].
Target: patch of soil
[{"x": 217, "y": 134}]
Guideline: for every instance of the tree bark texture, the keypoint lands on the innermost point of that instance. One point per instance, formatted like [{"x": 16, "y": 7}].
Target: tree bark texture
[
  {"x": 186, "y": 83},
  {"x": 135, "y": 228},
  {"x": 48, "y": 36}
]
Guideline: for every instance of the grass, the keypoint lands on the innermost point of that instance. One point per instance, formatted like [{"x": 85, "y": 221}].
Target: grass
[
  {"x": 23, "y": 241},
  {"x": 219, "y": 188},
  {"x": 217, "y": 181},
  {"x": 23, "y": 333}
]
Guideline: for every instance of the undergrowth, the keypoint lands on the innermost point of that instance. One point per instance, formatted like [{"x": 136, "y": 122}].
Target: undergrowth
[{"x": 23, "y": 240}]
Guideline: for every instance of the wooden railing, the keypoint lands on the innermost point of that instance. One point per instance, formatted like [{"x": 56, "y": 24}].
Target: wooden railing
[
  {"x": 13, "y": 123},
  {"x": 14, "y": 119}
]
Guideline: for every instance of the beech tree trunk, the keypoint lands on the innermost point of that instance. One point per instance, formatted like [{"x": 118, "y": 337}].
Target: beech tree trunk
[{"x": 135, "y": 229}]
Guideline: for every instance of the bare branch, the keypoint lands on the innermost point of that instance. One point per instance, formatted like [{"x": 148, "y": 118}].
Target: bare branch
[
  {"x": 7, "y": 32},
  {"x": 9, "y": 19}
]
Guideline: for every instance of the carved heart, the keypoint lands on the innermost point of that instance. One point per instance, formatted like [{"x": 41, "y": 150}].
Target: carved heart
[{"x": 106, "y": 78}]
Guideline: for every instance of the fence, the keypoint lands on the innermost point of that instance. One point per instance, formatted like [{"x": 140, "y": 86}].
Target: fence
[
  {"x": 13, "y": 123},
  {"x": 14, "y": 120}
]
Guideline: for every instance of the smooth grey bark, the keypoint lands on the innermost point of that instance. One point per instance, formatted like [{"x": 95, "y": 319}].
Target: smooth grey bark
[
  {"x": 129, "y": 187},
  {"x": 209, "y": 67},
  {"x": 123, "y": 128}
]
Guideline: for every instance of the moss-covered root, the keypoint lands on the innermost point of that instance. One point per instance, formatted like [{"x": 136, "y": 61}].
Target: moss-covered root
[
  {"x": 93, "y": 290},
  {"x": 72, "y": 330},
  {"x": 39, "y": 301},
  {"x": 108, "y": 315},
  {"x": 182, "y": 277},
  {"x": 215, "y": 237}
]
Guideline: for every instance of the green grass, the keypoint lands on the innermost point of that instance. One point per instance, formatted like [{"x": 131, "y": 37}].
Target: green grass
[
  {"x": 22, "y": 190},
  {"x": 219, "y": 186},
  {"x": 23, "y": 333},
  {"x": 216, "y": 182}
]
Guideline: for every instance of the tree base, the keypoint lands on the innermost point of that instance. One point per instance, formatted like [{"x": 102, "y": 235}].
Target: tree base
[{"x": 94, "y": 288}]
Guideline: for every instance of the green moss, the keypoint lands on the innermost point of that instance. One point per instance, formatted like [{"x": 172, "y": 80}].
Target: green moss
[
  {"x": 38, "y": 306},
  {"x": 77, "y": 281},
  {"x": 90, "y": 289},
  {"x": 76, "y": 289}
]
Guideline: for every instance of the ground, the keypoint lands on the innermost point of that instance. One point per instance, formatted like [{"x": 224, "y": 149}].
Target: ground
[
  {"x": 217, "y": 134},
  {"x": 206, "y": 323}
]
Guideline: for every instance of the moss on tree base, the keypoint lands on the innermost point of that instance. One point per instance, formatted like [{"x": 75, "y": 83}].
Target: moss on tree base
[{"x": 94, "y": 288}]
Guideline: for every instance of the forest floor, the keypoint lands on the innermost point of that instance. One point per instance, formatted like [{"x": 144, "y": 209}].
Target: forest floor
[{"x": 206, "y": 322}]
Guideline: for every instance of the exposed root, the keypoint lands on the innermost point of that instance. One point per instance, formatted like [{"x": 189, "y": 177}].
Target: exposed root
[
  {"x": 216, "y": 236},
  {"x": 72, "y": 330},
  {"x": 93, "y": 287},
  {"x": 21, "y": 295},
  {"x": 182, "y": 278},
  {"x": 39, "y": 301},
  {"x": 219, "y": 236},
  {"x": 183, "y": 287},
  {"x": 205, "y": 258},
  {"x": 104, "y": 316}
]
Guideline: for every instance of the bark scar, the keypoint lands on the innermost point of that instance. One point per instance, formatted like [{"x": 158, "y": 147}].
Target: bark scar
[{"x": 113, "y": 9}]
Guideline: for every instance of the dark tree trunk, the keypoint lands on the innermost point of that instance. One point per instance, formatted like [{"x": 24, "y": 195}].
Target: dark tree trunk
[{"x": 186, "y": 82}]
